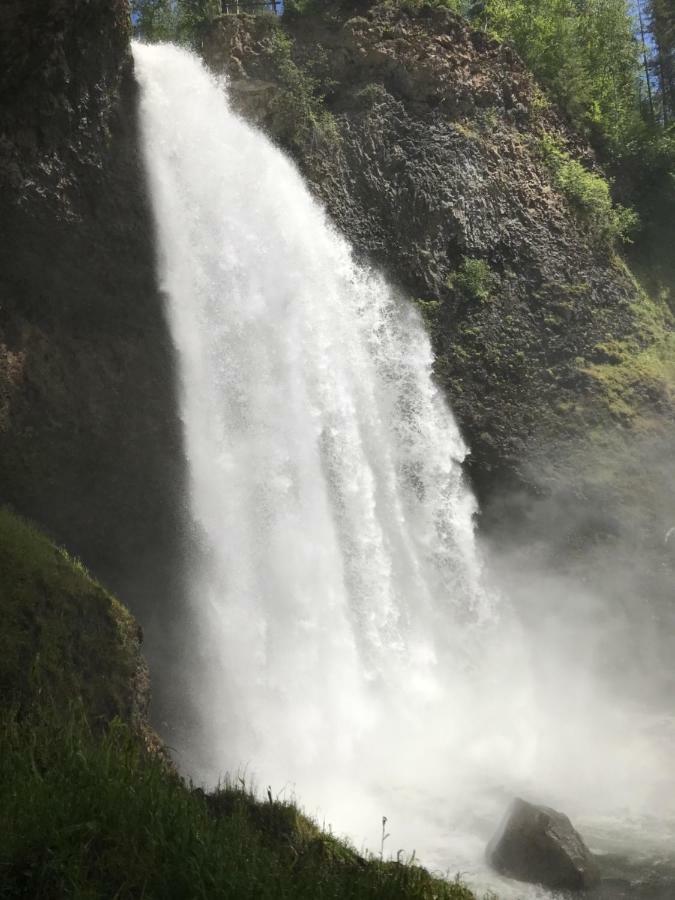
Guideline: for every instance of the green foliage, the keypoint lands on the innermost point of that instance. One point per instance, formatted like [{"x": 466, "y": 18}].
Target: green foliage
[
  {"x": 474, "y": 279},
  {"x": 92, "y": 816},
  {"x": 298, "y": 106},
  {"x": 584, "y": 53},
  {"x": 658, "y": 17},
  {"x": 294, "y": 9},
  {"x": 589, "y": 194},
  {"x": 647, "y": 173},
  {"x": 154, "y": 20},
  {"x": 609, "y": 64},
  {"x": 180, "y": 21},
  {"x": 62, "y": 633},
  {"x": 297, "y": 8},
  {"x": 372, "y": 94}
]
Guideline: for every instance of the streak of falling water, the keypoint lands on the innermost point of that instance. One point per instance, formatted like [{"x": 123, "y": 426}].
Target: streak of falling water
[{"x": 347, "y": 646}]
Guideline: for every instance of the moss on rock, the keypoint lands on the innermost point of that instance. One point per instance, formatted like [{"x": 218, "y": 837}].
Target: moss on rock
[{"x": 64, "y": 640}]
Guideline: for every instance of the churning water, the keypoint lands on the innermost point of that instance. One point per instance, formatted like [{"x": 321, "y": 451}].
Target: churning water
[{"x": 349, "y": 649}]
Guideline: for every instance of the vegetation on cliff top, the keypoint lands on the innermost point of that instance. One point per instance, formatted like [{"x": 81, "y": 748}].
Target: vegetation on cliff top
[
  {"x": 608, "y": 64},
  {"x": 298, "y": 106}
]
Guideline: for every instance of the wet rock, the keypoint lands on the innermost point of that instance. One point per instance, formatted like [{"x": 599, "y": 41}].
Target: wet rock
[{"x": 539, "y": 845}]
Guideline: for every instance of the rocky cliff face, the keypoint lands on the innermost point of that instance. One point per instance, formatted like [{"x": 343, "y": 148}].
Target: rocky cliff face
[
  {"x": 427, "y": 143},
  {"x": 90, "y": 442}
]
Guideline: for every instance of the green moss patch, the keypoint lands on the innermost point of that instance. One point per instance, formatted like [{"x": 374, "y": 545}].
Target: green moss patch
[
  {"x": 636, "y": 376},
  {"x": 63, "y": 636},
  {"x": 588, "y": 194}
]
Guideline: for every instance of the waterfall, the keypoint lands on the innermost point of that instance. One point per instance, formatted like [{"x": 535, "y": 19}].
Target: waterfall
[{"x": 347, "y": 644}]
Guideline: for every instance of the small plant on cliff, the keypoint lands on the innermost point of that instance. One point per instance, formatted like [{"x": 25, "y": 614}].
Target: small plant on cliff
[
  {"x": 474, "y": 279},
  {"x": 299, "y": 106},
  {"x": 589, "y": 195},
  {"x": 372, "y": 94}
]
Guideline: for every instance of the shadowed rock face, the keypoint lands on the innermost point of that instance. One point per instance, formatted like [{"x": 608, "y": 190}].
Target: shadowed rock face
[
  {"x": 90, "y": 441},
  {"x": 539, "y": 845}
]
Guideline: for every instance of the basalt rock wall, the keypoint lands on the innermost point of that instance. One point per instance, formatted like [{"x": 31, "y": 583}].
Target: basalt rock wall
[{"x": 427, "y": 143}]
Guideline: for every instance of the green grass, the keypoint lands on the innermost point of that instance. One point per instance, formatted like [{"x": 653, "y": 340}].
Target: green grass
[{"x": 96, "y": 816}]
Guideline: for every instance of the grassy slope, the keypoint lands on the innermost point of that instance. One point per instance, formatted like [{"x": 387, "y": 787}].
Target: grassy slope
[
  {"x": 99, "y": 817},
  {"x": 89, "y": 812}
]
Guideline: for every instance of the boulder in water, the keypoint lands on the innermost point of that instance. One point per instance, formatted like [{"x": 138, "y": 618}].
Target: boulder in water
[{"x": 539, "y": 845}]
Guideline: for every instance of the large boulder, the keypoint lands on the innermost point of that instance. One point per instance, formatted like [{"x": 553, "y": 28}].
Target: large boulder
[{"x": 537, "y": 844}]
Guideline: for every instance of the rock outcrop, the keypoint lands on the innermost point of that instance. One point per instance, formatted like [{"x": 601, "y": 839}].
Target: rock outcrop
[{"x": 539, "y": 845}]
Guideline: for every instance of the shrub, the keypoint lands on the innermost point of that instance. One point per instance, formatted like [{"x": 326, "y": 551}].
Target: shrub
[
  {"x": 589, "y": 195},
  {"x": 299, "y": 107},
  {"x": 371, "y": 95},
  {"x": 474, "y": 279}
]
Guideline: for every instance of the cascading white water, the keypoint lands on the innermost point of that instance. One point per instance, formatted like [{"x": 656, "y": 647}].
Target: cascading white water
[{"x": 347, "y": 645}]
